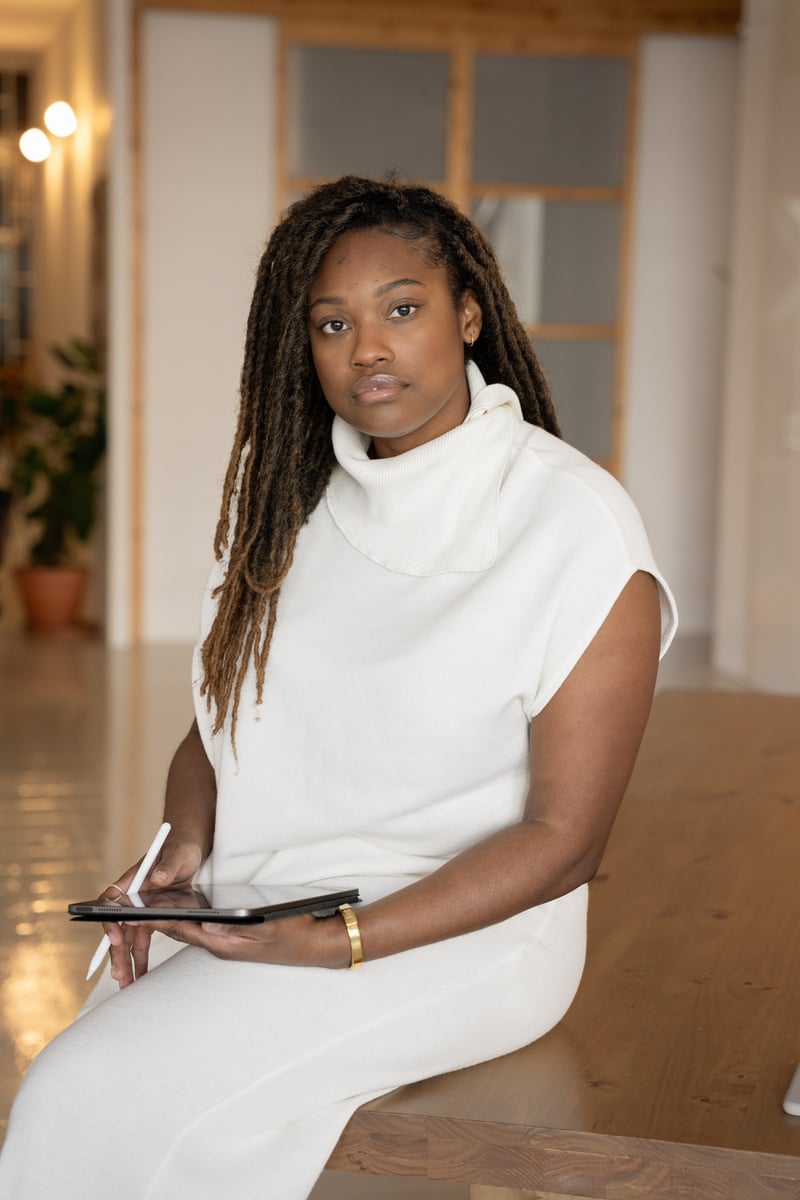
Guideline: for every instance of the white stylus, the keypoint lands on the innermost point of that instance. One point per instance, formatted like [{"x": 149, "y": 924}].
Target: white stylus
[{"x": 137, "y": 881}]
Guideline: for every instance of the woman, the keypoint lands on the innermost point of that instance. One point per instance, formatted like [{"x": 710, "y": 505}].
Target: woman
[{"x": 428, "y": 652}]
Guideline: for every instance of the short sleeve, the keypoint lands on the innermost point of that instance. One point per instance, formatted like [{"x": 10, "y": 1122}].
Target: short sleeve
[{"x": 601, "y": 543}]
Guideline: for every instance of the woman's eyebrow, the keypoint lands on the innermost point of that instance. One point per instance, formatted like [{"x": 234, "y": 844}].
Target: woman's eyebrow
[
  {"x": 381, "y": 290},
  {"x": 334, "y": 300},
  {"x": 387, "y": 287},
  {"x": 326, "y": 300}
]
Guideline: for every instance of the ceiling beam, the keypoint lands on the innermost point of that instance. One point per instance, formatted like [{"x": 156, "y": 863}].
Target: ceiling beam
[{"x": 579, "y": 17}]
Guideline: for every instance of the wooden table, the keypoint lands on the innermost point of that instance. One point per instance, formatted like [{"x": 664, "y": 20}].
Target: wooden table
[{"x": 665, "y": 1079}]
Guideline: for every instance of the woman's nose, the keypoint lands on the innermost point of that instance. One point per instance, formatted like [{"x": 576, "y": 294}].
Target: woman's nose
[{"x": 371, "y": 346}]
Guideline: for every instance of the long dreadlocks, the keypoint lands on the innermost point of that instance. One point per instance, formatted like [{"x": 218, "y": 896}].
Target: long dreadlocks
[{"x": 282, "y": 455}]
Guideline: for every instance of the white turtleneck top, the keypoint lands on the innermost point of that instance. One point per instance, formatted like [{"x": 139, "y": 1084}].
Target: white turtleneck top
[{"x": 436, "y": 602}]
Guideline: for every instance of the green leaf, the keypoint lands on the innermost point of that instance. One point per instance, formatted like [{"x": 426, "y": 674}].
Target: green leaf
[{"x": 60, "y": 448}]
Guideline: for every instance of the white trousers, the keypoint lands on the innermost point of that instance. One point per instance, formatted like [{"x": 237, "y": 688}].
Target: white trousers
[{"x": 207, "y": 1079}]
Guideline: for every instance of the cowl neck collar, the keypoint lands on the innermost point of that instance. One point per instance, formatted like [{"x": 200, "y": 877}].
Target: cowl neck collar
[{"x": 432, "y": 509}]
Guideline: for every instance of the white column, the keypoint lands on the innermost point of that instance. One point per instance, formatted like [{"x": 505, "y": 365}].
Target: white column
[
  {"x": 677, "y": 305},
  {"x": 208, "y": 126}
]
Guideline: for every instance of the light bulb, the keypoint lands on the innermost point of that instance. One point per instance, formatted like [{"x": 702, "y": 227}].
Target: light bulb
[
  {"x": 60, "y": 119},
  {"x": 35, "y": 145}
]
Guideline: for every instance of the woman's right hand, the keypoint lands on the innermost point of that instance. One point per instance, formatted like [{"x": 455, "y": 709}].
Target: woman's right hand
[
  {"x": 177, "y": 864},
  {"x": 190, "y": 808}
]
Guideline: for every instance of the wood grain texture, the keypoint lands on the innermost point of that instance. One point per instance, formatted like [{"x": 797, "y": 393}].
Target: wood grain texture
[
  {"x": 665, "y": 1079},
  {"x": 619, "y": 16},
  {"x": 619, "y": 415},
  {"x": 479, "y": 1192}
]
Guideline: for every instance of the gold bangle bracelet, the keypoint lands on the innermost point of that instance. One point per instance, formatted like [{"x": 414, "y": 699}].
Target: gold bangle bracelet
[{"x": 354, "y": 934}]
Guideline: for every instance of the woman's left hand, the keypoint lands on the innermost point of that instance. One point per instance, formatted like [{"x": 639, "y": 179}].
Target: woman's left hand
[{"x": 302, "y": 941}]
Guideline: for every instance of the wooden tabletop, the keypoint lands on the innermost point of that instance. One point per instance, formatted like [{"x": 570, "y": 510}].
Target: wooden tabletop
[{"x": 666, "y": 1077}]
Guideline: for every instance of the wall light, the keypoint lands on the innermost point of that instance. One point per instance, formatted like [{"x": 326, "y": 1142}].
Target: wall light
[
  {"x": 60, "y": 119},
  {"x": 35, "y": 145}
]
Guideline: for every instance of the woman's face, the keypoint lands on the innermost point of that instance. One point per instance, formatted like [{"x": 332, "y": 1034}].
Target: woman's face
[{"x": 387, "y": 340}]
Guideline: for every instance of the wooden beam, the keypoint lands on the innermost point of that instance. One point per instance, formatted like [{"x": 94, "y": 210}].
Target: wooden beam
[
  {"x": 620, "y": 17},
  {"x": 459, "y": 122}
]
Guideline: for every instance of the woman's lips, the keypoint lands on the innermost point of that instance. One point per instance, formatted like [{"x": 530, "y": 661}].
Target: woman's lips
[{"x": 373, "y": 389}]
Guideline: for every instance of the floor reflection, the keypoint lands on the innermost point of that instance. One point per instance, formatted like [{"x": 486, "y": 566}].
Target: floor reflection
[{"x": 86, "y": 735}]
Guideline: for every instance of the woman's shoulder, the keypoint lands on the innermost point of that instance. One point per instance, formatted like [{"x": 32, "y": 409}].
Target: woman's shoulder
[
  {"x": 584, "y": 524},
  {"x": 567, "y": 483}
]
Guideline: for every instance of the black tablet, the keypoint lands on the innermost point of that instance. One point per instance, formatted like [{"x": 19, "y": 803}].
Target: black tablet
[{"x": 234, "y": 904}]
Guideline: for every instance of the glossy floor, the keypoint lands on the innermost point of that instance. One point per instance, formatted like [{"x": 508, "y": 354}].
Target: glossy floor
[{"x": 86, "y": 735}]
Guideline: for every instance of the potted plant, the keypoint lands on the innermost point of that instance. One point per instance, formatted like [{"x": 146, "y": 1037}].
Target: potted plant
[{"x": 56, "y": 455}]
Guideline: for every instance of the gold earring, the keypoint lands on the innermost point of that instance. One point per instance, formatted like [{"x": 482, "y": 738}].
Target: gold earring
[{"x": 471, "y": 341}]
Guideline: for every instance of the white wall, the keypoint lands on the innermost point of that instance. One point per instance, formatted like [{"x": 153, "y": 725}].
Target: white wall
[
  {"x": 208, "y": 122},
  {"x": 678, "y": 305},
  {"x": 757, "y": 614}
]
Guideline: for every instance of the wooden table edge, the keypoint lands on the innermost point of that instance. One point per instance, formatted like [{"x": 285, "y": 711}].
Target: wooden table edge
[{"x": 563, "y": 1162}]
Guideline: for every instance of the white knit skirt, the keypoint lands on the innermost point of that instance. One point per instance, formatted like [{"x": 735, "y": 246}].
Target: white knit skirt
[{"x": 208, "y": 1078}]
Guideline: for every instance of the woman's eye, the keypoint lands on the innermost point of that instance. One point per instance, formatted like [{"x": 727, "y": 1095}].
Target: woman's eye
[
  {"x": 404, "y": 310},
  {"x": 335, "y": 325}
]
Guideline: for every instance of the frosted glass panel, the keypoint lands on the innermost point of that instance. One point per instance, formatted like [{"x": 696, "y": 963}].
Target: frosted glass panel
[
  {"x": 367, "y": 112},
  {"x": 581, "y": 378},
  {"x": 550, "y": 120},
  {"x": 559, "y": 259}
]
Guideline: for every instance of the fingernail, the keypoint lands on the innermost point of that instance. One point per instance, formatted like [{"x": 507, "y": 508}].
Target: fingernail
[
  {"x": 212, "y": 928},
  {"x": 160, "y": 873}
]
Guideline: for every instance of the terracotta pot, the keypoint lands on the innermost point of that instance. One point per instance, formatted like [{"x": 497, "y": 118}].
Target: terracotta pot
[{"x": 52, "y": 597}]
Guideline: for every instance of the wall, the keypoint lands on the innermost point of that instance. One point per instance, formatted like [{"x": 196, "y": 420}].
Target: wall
[
  {"x": 678, "y": 306},
  {"x": 757, "y": 612},
  {"x": 207, "y": 167},
  {"x": 207, "y": 138}
]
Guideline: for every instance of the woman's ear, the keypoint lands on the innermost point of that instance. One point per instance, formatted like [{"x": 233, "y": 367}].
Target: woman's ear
[{"x": 471, "y": 318}]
